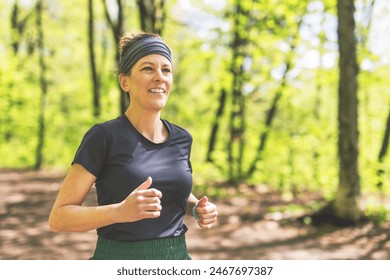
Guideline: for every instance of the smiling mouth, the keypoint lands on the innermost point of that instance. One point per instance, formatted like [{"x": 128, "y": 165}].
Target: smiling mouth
[{"x": 157, "y": 90}]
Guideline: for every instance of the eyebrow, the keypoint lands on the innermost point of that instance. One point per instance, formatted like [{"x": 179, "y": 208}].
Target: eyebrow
[{"x": 151, "y": 63}]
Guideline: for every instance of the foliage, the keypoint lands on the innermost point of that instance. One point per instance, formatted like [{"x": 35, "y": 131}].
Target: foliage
[{"x": 300, "y": 152}]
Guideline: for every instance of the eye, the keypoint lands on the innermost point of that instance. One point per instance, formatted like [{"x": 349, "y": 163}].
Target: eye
[
  {"x": 166, "y": 70},
  {"x": 147, "y": 68}
]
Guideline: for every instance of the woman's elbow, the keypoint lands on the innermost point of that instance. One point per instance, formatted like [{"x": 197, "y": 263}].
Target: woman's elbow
[{"x": 54, "y": 225}]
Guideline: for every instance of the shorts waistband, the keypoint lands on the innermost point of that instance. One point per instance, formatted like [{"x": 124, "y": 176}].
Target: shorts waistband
[{"x": 155, "y": 249}]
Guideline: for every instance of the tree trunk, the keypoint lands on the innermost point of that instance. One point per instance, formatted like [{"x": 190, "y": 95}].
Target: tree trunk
[
  {"x": 383, "y": 151},
  {"x": 116, "y": 25},
  {"x": 264, "y": 134},
  {"x": 237, "y": 123},
  {"x": 346, "y": 204},
  {"x": 273, "y": 109},
  {"x": 152, "y": 15},
  {"x": 43, "y": 85},
  {"x": 316, "y": 167},
  {"x": 215, "y": 127},
  {"x": 15, "y": 28},
  {"x": 18, "y": 27},
  {"x": 92, "y": 59}
]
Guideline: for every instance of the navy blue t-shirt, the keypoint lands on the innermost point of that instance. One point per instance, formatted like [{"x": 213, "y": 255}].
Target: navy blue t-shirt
[{"x": 122, "y": 158}]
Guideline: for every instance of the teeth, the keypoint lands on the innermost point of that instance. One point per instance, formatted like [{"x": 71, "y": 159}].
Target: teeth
[{"x": 157, "y": 90}]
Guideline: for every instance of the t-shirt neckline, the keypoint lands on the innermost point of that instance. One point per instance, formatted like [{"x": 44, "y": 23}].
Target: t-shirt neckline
[{"x": 146, "y": 140}]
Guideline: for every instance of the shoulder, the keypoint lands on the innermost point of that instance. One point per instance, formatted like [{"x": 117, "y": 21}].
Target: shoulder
[
  {"x": 118, "y": 122},
  {"x": 104, "y": 130},
  {"x": 178, "y": 130},
  {"x": 111, "y": 126}
]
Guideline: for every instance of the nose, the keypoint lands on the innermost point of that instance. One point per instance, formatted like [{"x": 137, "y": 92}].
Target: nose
[{"x": 160, "y": 77}]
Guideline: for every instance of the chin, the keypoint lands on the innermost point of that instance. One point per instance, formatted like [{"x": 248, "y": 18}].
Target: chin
[{"x": 158, "y": 107}]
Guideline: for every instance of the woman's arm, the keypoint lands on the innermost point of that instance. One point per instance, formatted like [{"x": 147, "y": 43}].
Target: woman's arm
[
  {"x": 192, "y": 200},
  {"x": 68, "y": 214},
  {"x": 207, "y": 211}
]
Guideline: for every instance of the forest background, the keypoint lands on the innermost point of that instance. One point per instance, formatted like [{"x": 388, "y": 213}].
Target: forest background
[{"x": 255, "y": 82}]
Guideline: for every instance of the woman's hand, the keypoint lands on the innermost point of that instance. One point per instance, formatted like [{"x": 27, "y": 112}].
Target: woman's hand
[
  {"x": 207, "y": 213},
  {"x": 142, "y": 203}
]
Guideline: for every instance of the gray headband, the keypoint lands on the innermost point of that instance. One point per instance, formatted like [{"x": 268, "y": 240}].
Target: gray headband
[{"x": 143, "y": 47}]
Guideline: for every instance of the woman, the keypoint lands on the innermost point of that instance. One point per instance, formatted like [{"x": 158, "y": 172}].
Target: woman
[{"x": 140, "y": 165}]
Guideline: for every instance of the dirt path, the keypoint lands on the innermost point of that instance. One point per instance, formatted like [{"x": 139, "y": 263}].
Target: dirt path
[{"x": 245, "y": 230}]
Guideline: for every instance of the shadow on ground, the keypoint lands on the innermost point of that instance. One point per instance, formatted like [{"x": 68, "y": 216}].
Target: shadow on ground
[{"x": 244, "y": 230}]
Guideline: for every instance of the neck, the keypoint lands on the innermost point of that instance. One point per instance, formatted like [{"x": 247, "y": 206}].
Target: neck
[{"x": 149, "y": 125}]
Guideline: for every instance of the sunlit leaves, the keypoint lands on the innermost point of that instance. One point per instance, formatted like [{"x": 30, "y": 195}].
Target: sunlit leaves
[{"x": 200, "y": 34}]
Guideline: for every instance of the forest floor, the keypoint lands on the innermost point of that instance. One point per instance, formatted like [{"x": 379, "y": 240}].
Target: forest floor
[{"x": 246, "y": 229}]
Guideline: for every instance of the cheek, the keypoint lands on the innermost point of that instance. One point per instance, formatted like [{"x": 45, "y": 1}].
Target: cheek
[
  {"x": 169, "y": 83},
  {"x": 137, "y": 85}
]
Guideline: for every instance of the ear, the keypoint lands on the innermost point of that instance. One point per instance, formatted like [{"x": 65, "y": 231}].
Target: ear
[{"x": 124, "y": 82}]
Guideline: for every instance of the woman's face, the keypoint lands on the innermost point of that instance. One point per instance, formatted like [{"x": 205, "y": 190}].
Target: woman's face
[{"x": 149, "y": 82}]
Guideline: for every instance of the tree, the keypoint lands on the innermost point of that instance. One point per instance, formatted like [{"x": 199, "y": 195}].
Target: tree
[
  {"x": 250, "y": 21},
  {"x": 152, "y": 15},
  {"x": 345, "y": 208},
  {"x": 270, "y": 116},
  {"x": 94, "y": 74},
  {"x": 215, "y": 125},
  {"x": 236, "y": 142},
  {"x": 383, "y": 151},
  {"x": 43, "y": 86},
  {"x": 18, "y": 26},
  {"x": 346, "y": 204},
  {"x": 116, "y": 23}
]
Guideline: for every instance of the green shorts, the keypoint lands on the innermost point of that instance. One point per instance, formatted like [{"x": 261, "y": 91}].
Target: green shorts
[{"x": 172, "y": 248}]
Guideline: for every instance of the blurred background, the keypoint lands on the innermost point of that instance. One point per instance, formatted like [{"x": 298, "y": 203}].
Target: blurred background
[{"x": 287, "y": 102}]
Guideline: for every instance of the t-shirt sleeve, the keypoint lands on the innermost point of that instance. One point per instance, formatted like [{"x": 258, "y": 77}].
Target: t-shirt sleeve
[
  {"x": 189, "y": 151},
  {"x": 91, "y": 153}
]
